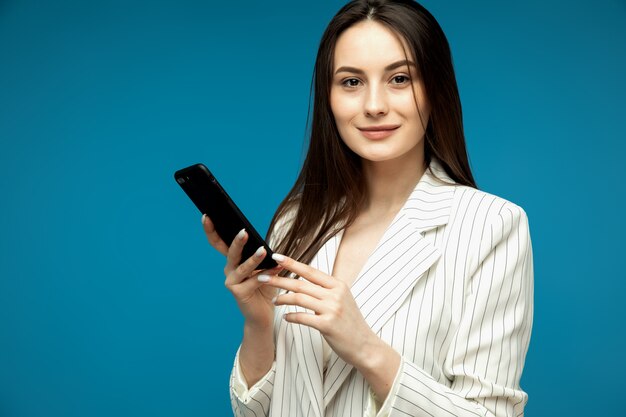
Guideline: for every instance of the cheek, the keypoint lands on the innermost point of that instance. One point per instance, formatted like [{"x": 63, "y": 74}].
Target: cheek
[
  {"x": 344, "y": 108},
  {"x": 406, "y": 105}
]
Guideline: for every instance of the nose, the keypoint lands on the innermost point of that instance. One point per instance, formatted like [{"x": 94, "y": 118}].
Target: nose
[{"x": 375, "y": 102}]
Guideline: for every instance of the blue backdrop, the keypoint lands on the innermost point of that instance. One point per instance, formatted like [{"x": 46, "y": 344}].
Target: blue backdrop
[{"x": 111, "y": 300}]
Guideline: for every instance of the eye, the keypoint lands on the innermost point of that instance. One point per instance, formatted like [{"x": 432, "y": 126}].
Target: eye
[
  {"x": 401, "y": 79},
  {"x": 350, "y": 82}
]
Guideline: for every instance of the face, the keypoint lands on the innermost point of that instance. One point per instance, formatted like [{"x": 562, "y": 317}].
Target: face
[{"x": 374, "y": 87}]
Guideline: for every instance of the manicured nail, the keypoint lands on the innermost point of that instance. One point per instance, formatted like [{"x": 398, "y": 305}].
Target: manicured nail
[
  {"x": 203, "y": 218},
  {"x": 278, "y": 257},
  {"x": 264, "y": 278},
  {"x": 241, "y": 234},
  {"x": 259, "y": 252},
  {"x": 274, "y": 300}
]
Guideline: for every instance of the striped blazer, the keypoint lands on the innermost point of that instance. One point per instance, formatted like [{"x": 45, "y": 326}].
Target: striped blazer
[{"x": 449, "y": 286}]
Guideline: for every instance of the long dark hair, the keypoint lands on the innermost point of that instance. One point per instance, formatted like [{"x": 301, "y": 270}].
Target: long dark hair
[{"x": 330, "y": 191}]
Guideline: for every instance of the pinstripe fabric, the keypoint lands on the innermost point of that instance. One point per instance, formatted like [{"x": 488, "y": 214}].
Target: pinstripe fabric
[{"x": 450, "y": 287}]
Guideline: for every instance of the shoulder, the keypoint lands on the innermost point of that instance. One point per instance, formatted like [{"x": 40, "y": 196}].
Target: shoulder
[
  {"x": 481, "y": 224},
  {"x": 479, "y": 212},
  {"x": 470, "y": 201}
]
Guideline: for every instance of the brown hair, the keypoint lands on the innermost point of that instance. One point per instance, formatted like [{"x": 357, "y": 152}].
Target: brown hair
[{"x": 330, "y": 189}]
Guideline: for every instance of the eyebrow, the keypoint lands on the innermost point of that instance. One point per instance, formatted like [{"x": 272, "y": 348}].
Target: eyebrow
[{"x": 387, "y": 68}]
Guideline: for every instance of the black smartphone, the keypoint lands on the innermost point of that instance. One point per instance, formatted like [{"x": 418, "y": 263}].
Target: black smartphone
[{"x": 211, "y": 199}]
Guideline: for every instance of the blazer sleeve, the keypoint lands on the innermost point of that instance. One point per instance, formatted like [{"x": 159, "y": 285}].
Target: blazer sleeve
[
  {"x": 254, "y": 401},
  {"x": 488, "y": 350}
]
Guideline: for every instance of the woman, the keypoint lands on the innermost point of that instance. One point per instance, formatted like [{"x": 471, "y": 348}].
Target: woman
[{"x": 415, "y": 290}]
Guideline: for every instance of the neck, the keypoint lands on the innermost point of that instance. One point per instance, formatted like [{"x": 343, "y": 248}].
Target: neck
[{"x": 390, "y": 183}]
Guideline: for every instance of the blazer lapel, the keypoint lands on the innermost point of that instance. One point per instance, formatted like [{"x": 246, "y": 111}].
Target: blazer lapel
[{"x": 400, "y": 259}]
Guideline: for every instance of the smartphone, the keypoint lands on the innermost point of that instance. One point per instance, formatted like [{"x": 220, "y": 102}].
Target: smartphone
[{"x": 211, "y": 199}]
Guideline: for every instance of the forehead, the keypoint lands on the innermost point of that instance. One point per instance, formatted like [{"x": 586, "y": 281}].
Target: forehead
[{"x": 369, "y": 45}]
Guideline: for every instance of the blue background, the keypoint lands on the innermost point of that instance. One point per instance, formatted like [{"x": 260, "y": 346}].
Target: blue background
[{"x": 111, "y": 300}]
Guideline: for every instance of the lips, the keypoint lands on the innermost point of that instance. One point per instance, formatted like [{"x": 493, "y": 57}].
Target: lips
[
  {"x": 378, "y": 132},
  {"x": 378, "y": 128}
]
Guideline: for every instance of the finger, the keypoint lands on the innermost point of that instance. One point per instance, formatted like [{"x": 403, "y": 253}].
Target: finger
[
  {"x": 272, "y": 271},
  {"x": 233, "y": 258},
  {"x": 301, "y": 286},
  {"x": 311, "y": 274},
  {"x": 306, "y": 319},
  {"x": 247, "y": 288},
  {"x": 251, "y": 282},
  {"x": 246, "y": 268},
  {"x": 302, "y": 300},
  {"x": 214, "y": 239}
]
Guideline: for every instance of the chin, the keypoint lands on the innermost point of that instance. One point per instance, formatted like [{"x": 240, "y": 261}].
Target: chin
[
  {"x": 377, "y": 156},
  {"x": 377, "y": 152}
]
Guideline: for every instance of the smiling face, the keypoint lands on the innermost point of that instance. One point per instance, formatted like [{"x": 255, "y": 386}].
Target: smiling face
[{"x": 374, "y": 87}]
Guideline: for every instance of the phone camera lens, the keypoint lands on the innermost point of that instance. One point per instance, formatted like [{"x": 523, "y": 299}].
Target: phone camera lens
[{"x": 180, "y": 180}]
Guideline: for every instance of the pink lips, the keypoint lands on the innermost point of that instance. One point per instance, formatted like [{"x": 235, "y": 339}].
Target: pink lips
[{"x": 378, "y": 132}]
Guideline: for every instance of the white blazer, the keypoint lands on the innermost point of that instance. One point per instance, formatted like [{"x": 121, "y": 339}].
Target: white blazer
[{"x": 449, "y": 286}]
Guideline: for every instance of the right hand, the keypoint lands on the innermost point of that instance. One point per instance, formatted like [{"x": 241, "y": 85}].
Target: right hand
[{"x": 254, "y": 298}]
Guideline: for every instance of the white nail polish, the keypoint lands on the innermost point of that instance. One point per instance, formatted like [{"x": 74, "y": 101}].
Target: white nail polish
[
  {"x": 278, "y": 257},
  {"x": 241, "y": 234},
  {"x": 203, "y": 218},
  {"x": 259, "y": 252},
  {"x": 274, "y": 300},
  {"x": 263, "y": 278}
]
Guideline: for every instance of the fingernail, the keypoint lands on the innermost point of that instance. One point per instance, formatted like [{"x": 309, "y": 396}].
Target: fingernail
[
  {"x": 259, "y": 252},
  {"x": 274, "y": 300},
  {"x": 241, "y": 234},
  {"x": 203, "y": 218},
  {"x": 264, "y": 278},
  {"x": 278, "y": 257}
]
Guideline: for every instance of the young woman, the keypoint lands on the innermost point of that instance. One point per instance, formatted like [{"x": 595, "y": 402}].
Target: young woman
[{"x": 414, "y": 294}]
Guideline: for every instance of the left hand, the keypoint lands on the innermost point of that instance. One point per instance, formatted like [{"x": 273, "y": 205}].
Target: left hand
[{"x": 337, "y": 315}]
